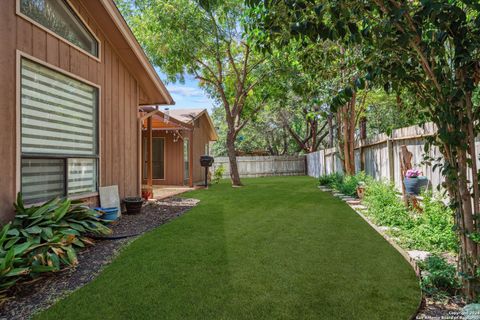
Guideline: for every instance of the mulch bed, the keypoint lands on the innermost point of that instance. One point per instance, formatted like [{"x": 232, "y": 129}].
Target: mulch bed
[
  {"x": 440, "y": 310},
  {"x": 28, "y": 298}
]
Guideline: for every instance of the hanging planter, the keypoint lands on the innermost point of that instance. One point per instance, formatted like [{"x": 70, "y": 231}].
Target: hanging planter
[{"x": 133, "y": 205}]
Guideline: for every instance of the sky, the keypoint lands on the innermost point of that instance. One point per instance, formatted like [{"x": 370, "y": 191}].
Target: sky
[{"x": 188, "y": 95}]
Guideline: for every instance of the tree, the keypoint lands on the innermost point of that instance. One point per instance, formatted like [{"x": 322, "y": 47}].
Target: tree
[
  {"x": 264, "y": 134},
  {"x": 429, "y": 48},
  {"x": 203, "y": 38}
]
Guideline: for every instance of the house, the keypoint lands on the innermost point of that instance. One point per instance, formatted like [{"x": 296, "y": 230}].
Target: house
[
  {"x": 173, "y": 142},
  {"x": 72, "y": 79}
]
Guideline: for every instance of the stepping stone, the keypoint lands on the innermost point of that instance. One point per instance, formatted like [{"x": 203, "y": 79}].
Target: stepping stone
[
  {"x": 359, "y": 207},
  {"x": 339, "y": 195},
  {"x": 383, "y": 228},
  {"x": 354, "y": 202},
  {"x": 326, "y": 189},
  {"x": 347, "y": 199},
  {"x": 418, "y": 255}
]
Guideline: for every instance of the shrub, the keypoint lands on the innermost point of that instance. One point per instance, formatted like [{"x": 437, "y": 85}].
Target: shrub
[
  {"x": 384, "y": 206},
  {"x": 344, "y": 184},
  {"x": 331, "y": 180},
  {"x": 218, "y": 174},
  {"x": 433, "y": 228},
  {"x": 44, "y": 238},
  {"x": 439, "y": 278},
  {"x": 350, "y": 183}
]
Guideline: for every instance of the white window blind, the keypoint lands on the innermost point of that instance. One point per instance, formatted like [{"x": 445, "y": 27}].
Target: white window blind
[
  {"x": 42, "y": 179},
  {"x": 58, "y": 113},
  {"x": 82, "y": 176}
]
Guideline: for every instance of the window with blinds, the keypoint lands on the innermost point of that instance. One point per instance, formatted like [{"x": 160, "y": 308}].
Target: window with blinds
[{"x": 58, "y": 134}]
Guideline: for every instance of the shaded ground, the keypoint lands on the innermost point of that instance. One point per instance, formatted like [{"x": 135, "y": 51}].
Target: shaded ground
[
  {"x": 41, "y": 293},
  {"x": 274, "y": 249}
]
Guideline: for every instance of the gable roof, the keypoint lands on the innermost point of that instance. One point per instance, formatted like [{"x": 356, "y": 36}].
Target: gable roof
[
  {"x": 111, "y": 22},
  {"x": 186, "y": 115},
  {"x": 190, "y": 115}
]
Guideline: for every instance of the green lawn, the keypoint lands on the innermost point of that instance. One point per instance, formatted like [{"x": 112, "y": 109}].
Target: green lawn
[{"x": 277, "y": 248}]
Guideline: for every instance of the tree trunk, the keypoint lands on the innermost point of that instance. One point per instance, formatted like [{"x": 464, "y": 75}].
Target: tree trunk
[
  {"x": 232, "y": 158},
  {"x": 348, "y": 125},
  {"x": 330, "y": 130}
]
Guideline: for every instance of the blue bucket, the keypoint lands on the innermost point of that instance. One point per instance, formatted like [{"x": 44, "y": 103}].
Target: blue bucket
[{"x": 110, "y": 214}]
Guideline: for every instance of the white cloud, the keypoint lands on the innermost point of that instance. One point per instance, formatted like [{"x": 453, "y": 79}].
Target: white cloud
[{"x": 185, "y": 91}]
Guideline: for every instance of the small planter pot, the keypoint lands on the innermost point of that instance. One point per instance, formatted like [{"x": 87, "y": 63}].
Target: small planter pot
[
  {"x": 415, "y": 185},
  {"x": 133, "y": 205},
  {"x": 360, "y": 191}
]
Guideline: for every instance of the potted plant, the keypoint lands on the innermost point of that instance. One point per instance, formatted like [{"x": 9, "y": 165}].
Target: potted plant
[
  {"x": 361, "y": 190},
  {"x": 414, "y": 181},
  {"x": 133, "y": 205}
]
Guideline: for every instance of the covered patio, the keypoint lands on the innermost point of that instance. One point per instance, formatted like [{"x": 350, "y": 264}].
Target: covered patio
[{"x": 175, "y": 148}]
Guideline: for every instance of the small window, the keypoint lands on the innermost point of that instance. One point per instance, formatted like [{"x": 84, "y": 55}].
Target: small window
[
  {"x": 58, "y": 17},
  {"x": 58, "y": 134}
]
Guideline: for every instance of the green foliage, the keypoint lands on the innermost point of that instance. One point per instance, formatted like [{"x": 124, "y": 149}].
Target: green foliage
[
  {"x": 384, "y": 205},
  {"x": 344, "y": 184},
  {"x": 44, "y": 238},
  {"x": 218, "y": 174},
  {"x": 331, "y": 180},
  {"x": 439, "y": 278},
  {"x": 433, "y": 227}
]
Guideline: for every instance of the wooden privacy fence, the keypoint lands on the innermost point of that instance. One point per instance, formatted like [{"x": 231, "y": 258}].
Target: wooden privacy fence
[
  {"x": 263, "y": 166},
  {"x": 379, "y": 156}
]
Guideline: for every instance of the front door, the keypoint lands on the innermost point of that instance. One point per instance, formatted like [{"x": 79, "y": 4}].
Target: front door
[{"x": 158, "y": 158}]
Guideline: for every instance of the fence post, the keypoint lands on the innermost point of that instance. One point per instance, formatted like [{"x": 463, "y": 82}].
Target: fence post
[{"x": 391, "y": 159}]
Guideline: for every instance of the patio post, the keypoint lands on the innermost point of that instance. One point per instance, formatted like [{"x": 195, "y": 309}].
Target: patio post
[
  {"x": 149, "y": 153},
  {"x": 190, "y": 160}
]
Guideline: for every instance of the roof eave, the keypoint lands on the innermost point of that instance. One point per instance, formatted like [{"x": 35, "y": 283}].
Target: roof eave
[{"x": 128, "y": 46}]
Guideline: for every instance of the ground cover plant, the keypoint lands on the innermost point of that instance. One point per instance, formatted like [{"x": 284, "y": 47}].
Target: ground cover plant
[
  {"x": 273, "y": 249},
  {"x": 44, "y": 239},
  {"x": 431, "y": 230},
  {"x": 439, "y": 278},
  {"x": 344, "y": 184}
]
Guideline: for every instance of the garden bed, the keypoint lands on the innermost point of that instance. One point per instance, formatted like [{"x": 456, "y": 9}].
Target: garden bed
[{"x": 27, "y": 298}]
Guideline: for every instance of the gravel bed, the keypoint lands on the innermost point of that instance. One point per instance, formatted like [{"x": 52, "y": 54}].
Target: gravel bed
[{"x": 28, "y": 298}]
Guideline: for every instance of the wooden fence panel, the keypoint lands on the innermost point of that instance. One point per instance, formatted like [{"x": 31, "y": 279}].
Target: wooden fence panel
[
  {"x": 383, "y": 162},
  {"x": 250, "y": 167}
]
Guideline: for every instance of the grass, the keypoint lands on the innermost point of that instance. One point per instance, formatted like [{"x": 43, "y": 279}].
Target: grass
[{"x": 277, "y": 248}]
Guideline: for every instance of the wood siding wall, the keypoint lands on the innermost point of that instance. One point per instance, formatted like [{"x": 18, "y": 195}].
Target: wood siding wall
[
  {"x": 118, "y": 103},
  {"x": 200, "y": 139}
]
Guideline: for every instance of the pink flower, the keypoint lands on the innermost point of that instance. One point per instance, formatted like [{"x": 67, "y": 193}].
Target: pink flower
[{"x": 413, "y": 173}]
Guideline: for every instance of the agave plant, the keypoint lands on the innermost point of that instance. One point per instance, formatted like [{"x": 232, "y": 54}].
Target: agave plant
[{"x": 44, "y": 238}]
